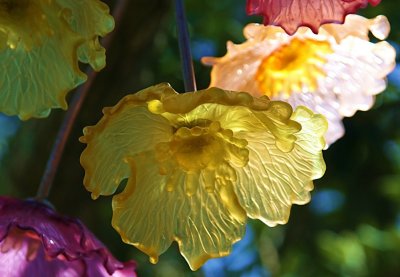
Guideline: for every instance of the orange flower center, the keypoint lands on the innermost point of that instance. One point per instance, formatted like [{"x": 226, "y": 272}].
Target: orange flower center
[{"x": 294, "y": 67}]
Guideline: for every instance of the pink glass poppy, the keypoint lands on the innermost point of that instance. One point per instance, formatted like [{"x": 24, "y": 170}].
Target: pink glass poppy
[
  {"x": 36, "y": 241},
  {"x": 291, "y": 14}
]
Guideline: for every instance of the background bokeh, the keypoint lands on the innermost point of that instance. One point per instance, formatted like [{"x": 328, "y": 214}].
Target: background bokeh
[{"x": 350, "y": 228}]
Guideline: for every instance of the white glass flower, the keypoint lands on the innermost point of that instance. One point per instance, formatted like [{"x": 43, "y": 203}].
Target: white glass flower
[{"x": 335, "y": 73}]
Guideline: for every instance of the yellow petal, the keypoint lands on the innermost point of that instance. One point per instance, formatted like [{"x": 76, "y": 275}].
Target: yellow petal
[
  {"x": 124, "y": 131},
  {"x": 273, "y": 180},
  {"x": 36, "y": 80},
  {"x": 192, "y": 162},
  {"x": 90, "y": 19},
  {"x": 242, "y": 113},
  {"x": 150, "y": 217},
  {"x": 25, "y": 22},
  {"x": 41, "y": 43}
]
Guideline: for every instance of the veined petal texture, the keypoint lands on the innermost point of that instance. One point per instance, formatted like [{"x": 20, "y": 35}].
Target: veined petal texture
[
  {"x": 335, "y": 73},
  {"x": 291, "y": 14},
  {"x": 41, "y": 43},
  {"x": 198, "y": 164}
]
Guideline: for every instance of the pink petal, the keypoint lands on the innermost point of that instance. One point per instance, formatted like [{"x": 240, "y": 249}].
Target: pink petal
[
  {"x": 62, "y": 246},
  {"x": 291, "y": 14}
]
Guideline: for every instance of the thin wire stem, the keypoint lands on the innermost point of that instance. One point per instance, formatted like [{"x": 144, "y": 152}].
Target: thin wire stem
[
  {"x": 71, "y": 115},
  {"x": 189, "y": 78}
]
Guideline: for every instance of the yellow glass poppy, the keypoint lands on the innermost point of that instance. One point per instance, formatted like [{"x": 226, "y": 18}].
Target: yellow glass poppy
[{"x": 198, "y": 164}]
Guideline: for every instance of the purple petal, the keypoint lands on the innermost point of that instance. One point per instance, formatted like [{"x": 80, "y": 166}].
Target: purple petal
[{"x": 64, "y": 245}]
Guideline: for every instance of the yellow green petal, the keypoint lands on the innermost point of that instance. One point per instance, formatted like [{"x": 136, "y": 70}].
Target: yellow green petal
[
  {"x": 90, "y": 19},
  {"x": 193, "y": 166},
  {"x": 123, "y": 132},
  {"x": 242, "y": 113},
  {"x": 273, "y": 180},
  {"x": 24, "y": 23},
  {"x": 150, "y": 217},
  {"x": 27, "y": 98},
  {"x": 39, "y": 53}
]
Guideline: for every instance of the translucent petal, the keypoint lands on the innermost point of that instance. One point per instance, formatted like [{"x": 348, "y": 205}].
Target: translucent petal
[
  {"x": 243, "y": 113},
  {"x": 19, "y": 18},
  {"x": 37, "y": 241},
  {"x": 33, "y": 83},
  {"x": 356, "y": 72},
  {"x": 291, "y": 14},
  {"x": 120, "y": 133},
  {"x": 150, "y": 217},
  {"x": 90, "y": 19},
  {"x": 125, "y": 129},
  {"x": 182, "y": 154},
  {"x": 326, "y": 104},
  {"x": 130, "y": 127},
  {"x": 39, "y": 52},
  {"x": 358, "y": 26},
  {"x": 273, "y": 180},
  {"x": 340, "y": 76}
]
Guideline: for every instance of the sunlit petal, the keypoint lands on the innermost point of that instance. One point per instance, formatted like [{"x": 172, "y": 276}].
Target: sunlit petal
[
  {"x": 41, "y": 43},
  {"x": 335, "y": 73},
  {"x": 274, "y": 180},
  {"x": 150, "y": 217},
  {"x": 190, "y": 162},
  {"x": 291, "y": 14}
]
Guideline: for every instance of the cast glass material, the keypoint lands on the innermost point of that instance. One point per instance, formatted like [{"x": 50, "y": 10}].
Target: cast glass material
[
  {"x": 335, "y": 73},
  {"x": 199, "y": 164},
  {"x": 41, "y": 43},
  {"x": 291, "y": 14}
]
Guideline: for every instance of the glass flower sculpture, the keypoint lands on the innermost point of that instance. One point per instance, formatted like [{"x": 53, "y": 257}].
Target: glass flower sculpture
[
  {"x": 198, "y": 164},
  {"x": 36, "y": 241},
  {"x": 334, "y": 73},
  {"x": 41, "y": 42},
  {"x": 291, "y": 14}
]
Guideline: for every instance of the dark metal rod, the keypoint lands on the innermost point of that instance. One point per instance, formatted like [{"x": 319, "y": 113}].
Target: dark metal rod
[{"x": 189, "y": 78}]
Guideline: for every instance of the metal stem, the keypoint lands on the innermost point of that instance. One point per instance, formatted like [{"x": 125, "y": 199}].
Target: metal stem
[{"x": 184, "y": 47}]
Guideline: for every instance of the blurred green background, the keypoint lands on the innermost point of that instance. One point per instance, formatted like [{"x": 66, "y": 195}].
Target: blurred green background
[{"x": 350, "y": 228}]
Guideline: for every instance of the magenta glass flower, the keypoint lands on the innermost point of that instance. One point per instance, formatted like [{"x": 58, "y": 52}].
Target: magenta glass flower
[
  {"x": 36, "y": 241},
  {"x": 291, "y": 14}
]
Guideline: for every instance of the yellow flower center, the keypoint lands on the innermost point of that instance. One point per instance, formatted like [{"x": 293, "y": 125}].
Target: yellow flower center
[
  {"x": 293, "y": 67},
  {"x": 208, "y": 149},
  {"x": 198, "y": 148}
]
